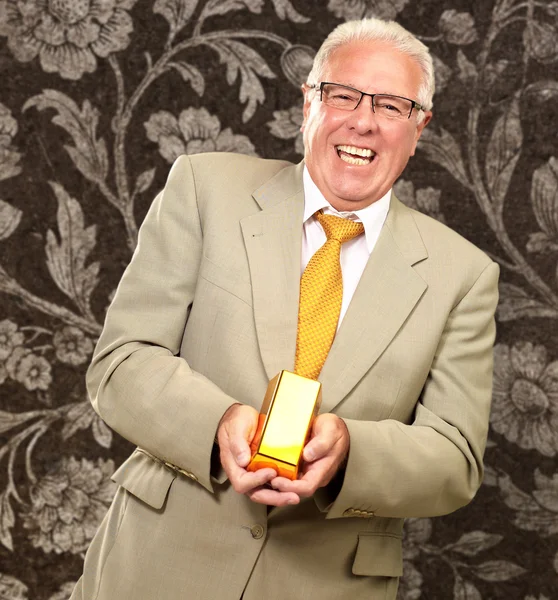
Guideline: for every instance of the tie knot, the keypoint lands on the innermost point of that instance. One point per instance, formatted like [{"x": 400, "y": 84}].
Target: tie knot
[{"x": 339, "y": 229}]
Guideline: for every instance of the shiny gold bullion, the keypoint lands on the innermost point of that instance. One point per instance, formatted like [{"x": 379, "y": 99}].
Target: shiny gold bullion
[{"x": 290, "y": 405}]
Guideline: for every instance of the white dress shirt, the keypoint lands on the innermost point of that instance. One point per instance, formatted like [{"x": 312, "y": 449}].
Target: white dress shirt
[{"x": 354, "y": 253}]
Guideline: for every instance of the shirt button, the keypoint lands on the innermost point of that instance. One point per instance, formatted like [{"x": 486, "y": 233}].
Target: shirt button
[{"x": 257, "y": 531}]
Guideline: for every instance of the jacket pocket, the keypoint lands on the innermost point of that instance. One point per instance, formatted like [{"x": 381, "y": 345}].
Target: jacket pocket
[
  {"x": 378, "y": 554},
  {"x": 145, "y": 478}
]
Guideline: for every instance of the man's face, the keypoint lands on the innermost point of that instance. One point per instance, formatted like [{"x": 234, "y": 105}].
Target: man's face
[{"x": 372, "y": 67}]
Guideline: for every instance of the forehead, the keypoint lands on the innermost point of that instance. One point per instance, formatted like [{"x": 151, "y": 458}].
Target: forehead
[{"x": 373, "y": 66}]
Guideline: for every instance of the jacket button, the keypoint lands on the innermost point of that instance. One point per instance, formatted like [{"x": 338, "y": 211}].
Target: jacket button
[{"x": 257, "y": 531}]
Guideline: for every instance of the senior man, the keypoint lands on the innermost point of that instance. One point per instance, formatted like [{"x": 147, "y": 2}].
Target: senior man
[{"x": 207, "y": 313}]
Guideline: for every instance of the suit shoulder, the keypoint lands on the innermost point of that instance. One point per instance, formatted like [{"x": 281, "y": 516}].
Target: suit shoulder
[
  {"x": 444, "y": 242},
  {"x": 228, "y": 167}
]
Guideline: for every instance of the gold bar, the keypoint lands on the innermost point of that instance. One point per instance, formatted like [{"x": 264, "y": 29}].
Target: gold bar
[{"x": 290, "y": 405}]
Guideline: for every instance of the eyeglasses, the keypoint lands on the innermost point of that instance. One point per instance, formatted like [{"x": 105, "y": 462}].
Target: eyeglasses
[{"x": 386, "y": 106}]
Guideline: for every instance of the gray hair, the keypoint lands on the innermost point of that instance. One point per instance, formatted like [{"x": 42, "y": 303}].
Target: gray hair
[{"x": 382, "y": 31}]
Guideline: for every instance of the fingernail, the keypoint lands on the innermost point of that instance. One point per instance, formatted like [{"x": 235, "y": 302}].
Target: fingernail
[
  {"x": 309, "y": 454},
  {"x": 293, "y": 501},
  {"x": 241, "y": 457}
]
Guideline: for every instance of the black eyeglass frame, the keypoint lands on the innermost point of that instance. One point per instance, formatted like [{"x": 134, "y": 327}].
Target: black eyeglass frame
[{"x": 320, "y": 86}]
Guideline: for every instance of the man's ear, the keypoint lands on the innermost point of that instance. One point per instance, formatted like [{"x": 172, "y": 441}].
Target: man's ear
[{"x": 420, "y": 128}]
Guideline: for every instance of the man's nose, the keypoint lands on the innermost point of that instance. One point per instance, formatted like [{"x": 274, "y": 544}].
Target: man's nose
[{"x": 363, "y": 119}]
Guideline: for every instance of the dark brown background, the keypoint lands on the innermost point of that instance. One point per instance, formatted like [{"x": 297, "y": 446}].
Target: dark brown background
[{"x": 96, "y": 100}]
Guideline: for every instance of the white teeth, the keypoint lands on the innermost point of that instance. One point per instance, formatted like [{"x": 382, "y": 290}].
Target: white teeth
[
  {"x": 364, "y": 152},
  {"x": 354, "y": 161}
]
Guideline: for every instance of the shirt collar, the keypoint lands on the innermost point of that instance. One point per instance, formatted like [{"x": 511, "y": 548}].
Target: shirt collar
[{"x": 372, "y": 217}]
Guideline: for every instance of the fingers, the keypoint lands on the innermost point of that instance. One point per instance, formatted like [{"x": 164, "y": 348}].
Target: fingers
[
  {"x": 323, "y": 455},
  {"x": 236, "y": 429},
  {"x": 271, "y": 497},
  {"x": 329, "y": 436},
  {"x": 314, "y": 476},
  {"x": 245, "y": 482}
]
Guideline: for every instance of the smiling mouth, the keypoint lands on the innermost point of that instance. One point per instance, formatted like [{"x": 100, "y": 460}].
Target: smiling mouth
[{"x": 354, "y": 155}]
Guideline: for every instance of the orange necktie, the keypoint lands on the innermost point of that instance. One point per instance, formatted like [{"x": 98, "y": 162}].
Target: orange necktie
[{"x": 321, "y": 293}]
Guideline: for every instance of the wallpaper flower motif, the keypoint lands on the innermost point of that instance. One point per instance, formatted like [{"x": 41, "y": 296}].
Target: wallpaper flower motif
[
  {"x": 12, "y": 589},
  {"x": 32, "y": 370},
  {"x": 537, "y": 511},
  {"x": 426, "y": 200},
  {"x": 544, "y": 196},
  {"x": 194, "y": 131},
  {"x": 72, "y": 346},
  {"x": 286, "y": 125},
  {"x": 10, "y": 337},
  {"x": 68, "y": 504},
  {"x": 457, "y": 28},
  {"x": 9, "y": 158},
  {"x": 525, "y": 397},
  {"x": 67, "y": 36},
  {"x": 358, "y": 9}
]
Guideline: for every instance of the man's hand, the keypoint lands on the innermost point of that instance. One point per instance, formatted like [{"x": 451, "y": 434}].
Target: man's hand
[
  {"x": 323, "y": 455},
  {"x": 234, "y": 434}
]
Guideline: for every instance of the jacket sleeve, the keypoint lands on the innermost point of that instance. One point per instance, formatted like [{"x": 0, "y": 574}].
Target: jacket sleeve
[
  {"x": 434, "y": 465},
  {"x": 136, "y": 381}
]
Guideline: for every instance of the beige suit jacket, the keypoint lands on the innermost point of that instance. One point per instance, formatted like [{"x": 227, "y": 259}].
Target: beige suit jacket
[{"x": 205, "y": 315}]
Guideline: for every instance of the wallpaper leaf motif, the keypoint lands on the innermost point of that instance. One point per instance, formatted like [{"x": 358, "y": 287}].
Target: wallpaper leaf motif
[
  {"x": 503, "y": 153},
  {"x": 516, "y": 303},
  {"x": 144, "y": 181},
  {"x": 443, "y": 149},
  {"x": 465, "y": 590},
  {"x": 7, "y": 521},
  {"x": 467, "y": 70},
  {"x": 89, "y": 153},
  {"x": 285, "y": 10},
  {"x": 10, "y": 420},
  {"x": 470, "y": 544},
  {"x": 9, "y": 219},
  {"x": 497, "y": 570},
  {"x": 241, "y": 59},
  {"x": 541, "y": 91},
  {"x": 78, "y": 416},
  {"x": 190, "y": 74},
  {"x": 66, "y": 259},
  {"x": 176, "y": 12},
  {"x": 101, "y": 433},
  {"x": 222, "y": 7}
]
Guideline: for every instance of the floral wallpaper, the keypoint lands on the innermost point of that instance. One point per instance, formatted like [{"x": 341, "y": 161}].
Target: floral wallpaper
[{"x": 98, "y": 97}]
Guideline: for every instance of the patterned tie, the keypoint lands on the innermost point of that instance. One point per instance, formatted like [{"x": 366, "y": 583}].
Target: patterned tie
[{"x": 321, "y": 293}]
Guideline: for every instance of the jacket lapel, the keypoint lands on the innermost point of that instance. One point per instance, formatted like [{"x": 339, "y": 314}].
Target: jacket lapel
[
  {"x": 273, "y": 244},
  {"x": 387, "y": 292}
]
